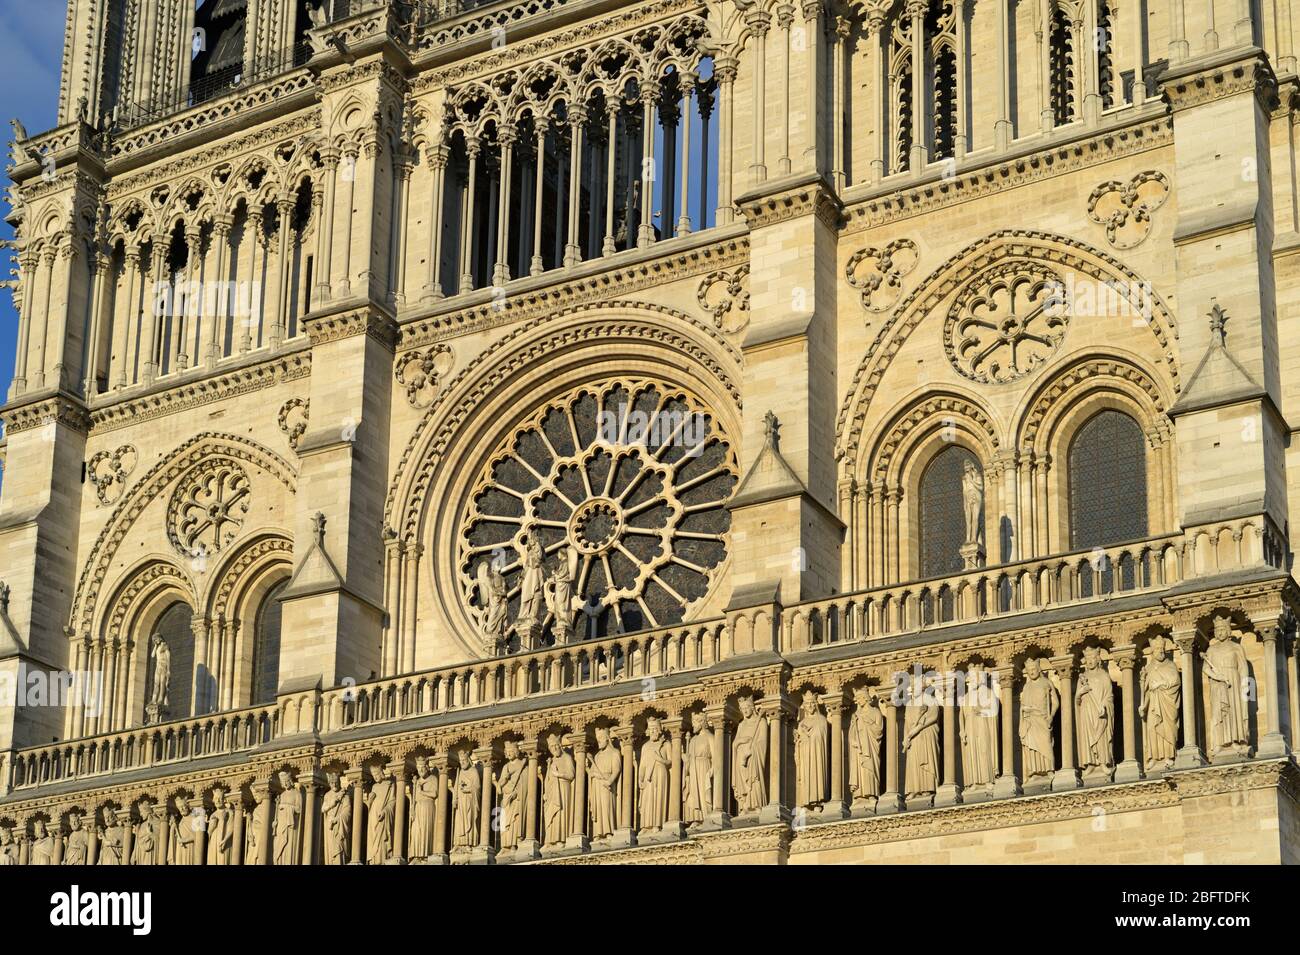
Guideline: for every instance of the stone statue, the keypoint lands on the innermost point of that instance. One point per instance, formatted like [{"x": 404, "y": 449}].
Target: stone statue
[
  {"x": 1039, "y": 702},
  {"x": 492, "y": 594},
  {"x": 423, "y": 791},
  {"x": 749, "y": 758},
  {"x": 319, "y": 15},
  {"x": 221, "y": 829},
  {"x": 654, "y": 775},
  {"x": 811, "y": 754},
  {"x": 112, "y": 839},
  {"x": 920, "y": 744},
  {"x": 76, "y": 847},
  {"x": 512, "y": 784},
  {"x": 381, "y": 803},
  {"x": 979, "y": 731},
  {"x": 972, "y": 497},
  {"x": 531, "y": 597},
  {"x": 254, "y": 849},
  {"x": 41, "y": 849},
  {"x": 604, "y": 768},
  {"x": 160, "y": 657},
  {"x": 144, "y": 838},
  {"x": 183, "y": 846},
  {"x": 466, "y": 796},
  {"x": 557, "y": 793},
  {"x": 8, "y": 847},
  {"x": 1225, "y": 666},
  {"x": 559, "y": 595},
  {"x": 1160, "y": 709},
  {"x": 1094, "y": 697},
  {"x": 866, "y": 729},
  {"x": 336, "y": 816},
  {"x": 697, "y": 771},
  {"x": 288, "y": 817}
]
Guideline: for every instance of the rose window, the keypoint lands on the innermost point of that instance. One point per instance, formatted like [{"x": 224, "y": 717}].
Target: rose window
[
  {"x": 627, "y": 482},
  {"x": 208, "y": 508},
  {"x": 1006, "y": 323}
]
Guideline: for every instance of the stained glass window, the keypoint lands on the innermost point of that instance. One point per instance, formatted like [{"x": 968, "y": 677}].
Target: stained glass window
[{"x": 943, "y": 524}]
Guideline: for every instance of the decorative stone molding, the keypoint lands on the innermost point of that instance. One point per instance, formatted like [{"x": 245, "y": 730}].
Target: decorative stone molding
[
  {"x": 199, "y": 392},
  {"x": 1193, "y": 85},
  {"x": 108, "y": 471},
  {"x": 337, "y": 326},
  {"x": 1125, "y": 209},
  {"x": 878, "y": 273},
  {"x": 1008, "y": 321},
  {"x": 47, "y": 412},
  {"x": 725, "y": 296},
  {"x": 421, "y": 373},
  {"x": 293, "y": 418}
]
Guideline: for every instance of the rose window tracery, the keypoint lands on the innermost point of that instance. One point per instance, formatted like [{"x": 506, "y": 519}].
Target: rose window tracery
[
  {"x": 627, "y": 481},
  {"x": 1006, "y": 323},
  {"x": 208, "y": 508}
]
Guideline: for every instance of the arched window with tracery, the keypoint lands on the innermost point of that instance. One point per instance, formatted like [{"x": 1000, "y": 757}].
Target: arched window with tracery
[
  {"x": 266, "y": 648},
  {"x": 1064, "y": 69},
  {"x": 1108, "y": 482},
  {"x": 924, "y": 117},
  {"x": 941, "y": 512}
]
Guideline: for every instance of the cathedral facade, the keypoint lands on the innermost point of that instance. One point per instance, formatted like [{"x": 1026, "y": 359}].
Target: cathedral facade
[{"x": 553, "y": 431}]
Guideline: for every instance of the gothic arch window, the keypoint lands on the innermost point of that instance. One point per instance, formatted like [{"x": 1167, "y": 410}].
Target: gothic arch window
[
  {"x": 941, "y": 514},
  {"x": 1108, "y": 482},
  {"x": 266, "y": 648},
  {"x": 1106, "y": 52},
  {"x": 934, "y": 123},
  {"x": 218, "y": 51},
  {"x": 174, "y": 626}
]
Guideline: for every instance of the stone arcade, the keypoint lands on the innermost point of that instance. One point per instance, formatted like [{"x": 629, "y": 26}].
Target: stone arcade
[{"x": 565, "y": 431}]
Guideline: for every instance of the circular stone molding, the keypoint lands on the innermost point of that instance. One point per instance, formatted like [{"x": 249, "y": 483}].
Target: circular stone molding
[
  {"x": 208, "y": 508},
  {"x": 631, "y": 478},
  {"x": 1006, "y": 322}
]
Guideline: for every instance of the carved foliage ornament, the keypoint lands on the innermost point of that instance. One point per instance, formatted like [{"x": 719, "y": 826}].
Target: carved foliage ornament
[
  {"x": 878, "y": 273},
  {"x": 108, "y": 471},
  {"x": 422, "y": 373},
  {"x": 630, "y": 475},
  {"x": 1006, "y": 322},
  {"x": 208, "y": 507},
  {"x": 725, "y": 296},
  {"x": 1125, "y": 209}
]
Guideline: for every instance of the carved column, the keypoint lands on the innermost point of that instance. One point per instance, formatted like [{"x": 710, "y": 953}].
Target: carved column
[
  {"x": 1067, "y": 777},
  {"x": 267, "y": 850},
  {"x": 101, "y": 269},
  {"x": 776, "y": 710},
  {"x": 837, "y": 806},
  {"x": 438, "y": 166},
  {"x": 920, "y": 157},
  {"x": 758, "y": 23},
  {"x": 720, "y": 818},
  {"x": 650, "y": 91},
  {"x": 357, "y": 780},
  {"x": 467, "y": 223},
  {"x": 949, "y": 792},
  {"x": 441, "y": 813},
  {"x": 625, "y": 834},
  {"x": 891, "y": 800},
  {"x": 237, "y": 836},
  {"x": 1272, "y": 744},
  {"x": 578, "y": 828},
  {"x": 1189, "y": 755},
  {"x": 27, "y": 279},
  {"x": 484, "y": 852},
  {"x": 1125, "y": 658},
  {"x": 1008, "y": 782},
  {"x": 572, "y": 251},
  {"x": 724, "y": 68},
  {"x": 674, "y": 824},
  {"x": 398, "y": 770}
]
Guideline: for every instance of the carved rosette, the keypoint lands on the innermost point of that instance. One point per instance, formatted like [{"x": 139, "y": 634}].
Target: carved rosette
[
  {"x": 422, "y": 372},
  {"x": 208, "y": 508},
  {"x": 1006, "y": 322},
  {"x": 725, "y": 296},
  {"x": 878, "y": 274},
  {"x": 634, "y": 477},
  {"x": 293, "y": 418}
]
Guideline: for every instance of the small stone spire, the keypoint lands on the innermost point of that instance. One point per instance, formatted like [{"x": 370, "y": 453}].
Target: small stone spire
[
  {"x": 318, "y": 528},
  {"x": 772, "y": 430}
]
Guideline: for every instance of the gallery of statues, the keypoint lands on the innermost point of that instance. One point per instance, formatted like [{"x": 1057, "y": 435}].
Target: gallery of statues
[{"x": 552, "y": 432}]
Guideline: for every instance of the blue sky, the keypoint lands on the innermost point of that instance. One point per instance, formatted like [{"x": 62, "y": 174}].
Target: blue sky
[{"x": 31, "y": 45}]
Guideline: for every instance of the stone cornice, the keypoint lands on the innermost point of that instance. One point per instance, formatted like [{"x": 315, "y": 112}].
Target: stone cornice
[
  {"x": 904, "y": 202},
  {"x": 350, "y": 320},
  {"x": 202, "y": 391},
  {"x": 59, "y": 408},
  {"x": 1207, "y": 79},
  {"x": 488, "y": 312},
  {"x": 785, "y": 199}
]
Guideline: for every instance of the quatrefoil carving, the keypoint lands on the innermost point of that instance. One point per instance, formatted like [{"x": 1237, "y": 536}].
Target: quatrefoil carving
[
  {"x": 878, "y": 274},
  {"x": 725, "y": 296},
  {"x": 108, "y": 471},
  {"x": 1125, "y": 209},
  {"x": 422, "y": 373},
  {"x": 293, "y": 419}
]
